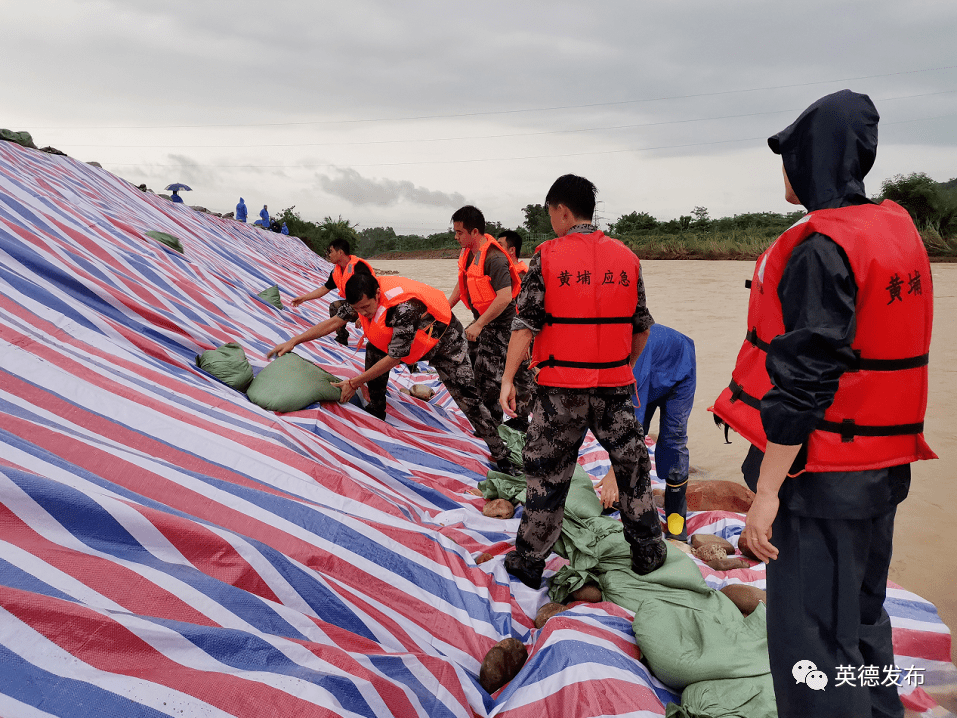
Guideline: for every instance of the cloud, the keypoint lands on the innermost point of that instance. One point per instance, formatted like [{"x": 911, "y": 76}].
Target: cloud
[{"x": 348, "y": 184}]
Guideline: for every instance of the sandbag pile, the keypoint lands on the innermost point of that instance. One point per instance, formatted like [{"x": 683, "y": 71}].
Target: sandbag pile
[{"x": 289, "y": 383}]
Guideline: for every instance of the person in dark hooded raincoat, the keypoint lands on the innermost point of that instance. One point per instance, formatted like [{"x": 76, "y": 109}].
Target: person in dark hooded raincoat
[
  {"x": 843, "y": 418},
  {"x": 264, "y": 214},
  {"x": 241, "y": 210}
]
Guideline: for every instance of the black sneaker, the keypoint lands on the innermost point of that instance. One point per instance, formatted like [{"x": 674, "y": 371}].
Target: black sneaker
[
  {"x": 648, "y": 557},
  {"x": 505, "y": 466},
  {"x": 528, "y": 571}
]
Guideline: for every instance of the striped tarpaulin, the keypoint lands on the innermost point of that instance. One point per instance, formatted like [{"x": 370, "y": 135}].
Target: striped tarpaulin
[{"x": 169, "y": 548}]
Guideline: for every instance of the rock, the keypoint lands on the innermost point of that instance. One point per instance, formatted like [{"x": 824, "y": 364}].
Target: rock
[
  {"x": 483, "y": 558},
  {"x": 745, "y": 597},
  {"x": 745, "y": 548},
  {"x": 142, "y": 188},
  {"x": 198, "y": 208},
  {"x": 53, "y": 151},
  {"x": 499, "y": 509},
  {"x": 97, "y": 164},
  {"x": 727, "y": 564},
  {"x": 710, "y": 552},
  {"x": 590, "y": 593},
  {"x": 502, "y": 663},
  {"x": 718, "y": 496},
  {"x": 680, "y": 545},
  {"x": 475, "y": 492},
  {"x": 546, "y": 612},
  {"x": 229, "y": 215},
  {"x": 699, "y": 540},
  {"x": 422, "y": 391}
]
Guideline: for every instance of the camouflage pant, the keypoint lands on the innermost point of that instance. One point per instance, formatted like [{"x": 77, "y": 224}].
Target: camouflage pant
[
  {"x": 342, "y": 335},
  {"x": 559, "y": 422},
  {"x": 488, "y": 354},
  {"x": 450, "y": 359}
]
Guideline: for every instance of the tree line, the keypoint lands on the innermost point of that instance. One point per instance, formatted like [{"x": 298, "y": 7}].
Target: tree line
[{"x": 933, "y": 206}]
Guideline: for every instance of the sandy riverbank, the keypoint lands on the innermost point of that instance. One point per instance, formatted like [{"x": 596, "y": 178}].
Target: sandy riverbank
[{"x": 707, "y": 301}]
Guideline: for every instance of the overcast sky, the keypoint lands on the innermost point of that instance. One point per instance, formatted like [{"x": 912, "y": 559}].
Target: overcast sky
[{"x": 397, "y": 113}]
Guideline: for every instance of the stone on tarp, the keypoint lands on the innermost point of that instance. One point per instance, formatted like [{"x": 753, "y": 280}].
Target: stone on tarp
[
  {"x": 502, "y": 663},
  {"x": 499, "y": 509},
  {"x": 718, "y": 496},
  {"x": 745, "y": 597},
  {"x": 701, "y": 539},
  {"x": 547, "y": 611}
]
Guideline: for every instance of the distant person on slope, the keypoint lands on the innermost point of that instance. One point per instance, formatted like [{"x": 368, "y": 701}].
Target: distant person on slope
[
  {"x": 241, "y": 210},
  {"x": 284, "y": 230},
  {"x": 176, "y": 198},
  {"x": 264, "y": 214}
]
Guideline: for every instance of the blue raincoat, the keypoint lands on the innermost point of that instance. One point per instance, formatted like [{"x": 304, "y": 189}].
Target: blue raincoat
[
  {"x": 285, "y": 229},
  {"x": 241, "y": 210},
  {"x": 665, "y": 378}
]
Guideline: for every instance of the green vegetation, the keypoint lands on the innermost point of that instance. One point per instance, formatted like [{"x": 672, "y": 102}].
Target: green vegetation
[{"x": 933, "y": 206}]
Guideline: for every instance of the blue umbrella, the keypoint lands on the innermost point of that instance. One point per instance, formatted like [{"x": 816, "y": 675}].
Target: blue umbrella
[{"x": 178, "y": 187}]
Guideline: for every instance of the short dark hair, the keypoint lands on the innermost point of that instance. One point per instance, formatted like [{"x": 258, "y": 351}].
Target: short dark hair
[
  {"x": 576, "y": 193},
  {"x": 359, "y": 286},
  {"x": 512, "y": 239},
  {"x": 470, "y": 217},
  {"x": 341, "y": 244}
]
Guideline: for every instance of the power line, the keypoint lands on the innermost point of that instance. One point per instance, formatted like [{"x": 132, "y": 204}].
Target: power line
[
  {"x": 483, "y": 159},
  {"x": 493, "y": 112},
  {"x": 501, "y": 136}
]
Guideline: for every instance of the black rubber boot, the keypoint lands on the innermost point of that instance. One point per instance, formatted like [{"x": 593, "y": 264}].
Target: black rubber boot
[
  {"x": 648, "y": 556},
  {"x": 527, "y": 571}
]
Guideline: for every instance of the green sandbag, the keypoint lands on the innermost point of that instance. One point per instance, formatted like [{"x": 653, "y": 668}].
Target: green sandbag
[
  {"x": 167, "y": 239},
  {"x": 582, "y": 500},
  {"x": 271, "y": 295},
  {"x": 291, "y": 383},
  {"x": 228, "y": 363},
  {"x": 750, "y": 697},
  {"x": 20, "y": 138}
]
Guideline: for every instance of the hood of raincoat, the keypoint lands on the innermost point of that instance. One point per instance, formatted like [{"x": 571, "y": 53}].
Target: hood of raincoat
[
  {"x": 829, "y": 149},
  {"x": 242, "y": 201}
]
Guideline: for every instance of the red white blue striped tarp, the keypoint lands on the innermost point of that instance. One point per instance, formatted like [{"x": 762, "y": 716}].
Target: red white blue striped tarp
[{"x": 169, "y": 548}]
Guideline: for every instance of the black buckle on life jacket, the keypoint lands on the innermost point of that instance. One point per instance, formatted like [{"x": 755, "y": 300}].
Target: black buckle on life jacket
[
  {"x": 848, "y": 431},
  {"x": 552, "y": 361},
  {"x": 747, "y": 284},
  {"x": 736, "y": 391}
]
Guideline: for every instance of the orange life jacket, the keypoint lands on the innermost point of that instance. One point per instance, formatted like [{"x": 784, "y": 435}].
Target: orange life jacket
[
  {"x": 522, "y": 268},
  {"x": 591, "y": 292},
  {"x": 395, "y": 290},
  {"x": 475, "y": 287},
  {"x": 340, "y": 276},
  {"x": 877, "y": 417}
]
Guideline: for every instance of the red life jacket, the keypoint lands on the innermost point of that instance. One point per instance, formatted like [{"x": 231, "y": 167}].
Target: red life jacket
[
  {"x": 475, "y": 287},
  {"x": 591, "y": 292},
  {"x": 340, "y": 276},
  {"x": 522, "y": 269},
  {"x": 877, "y": 417},
  {"x": 395, "y": 290}
]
